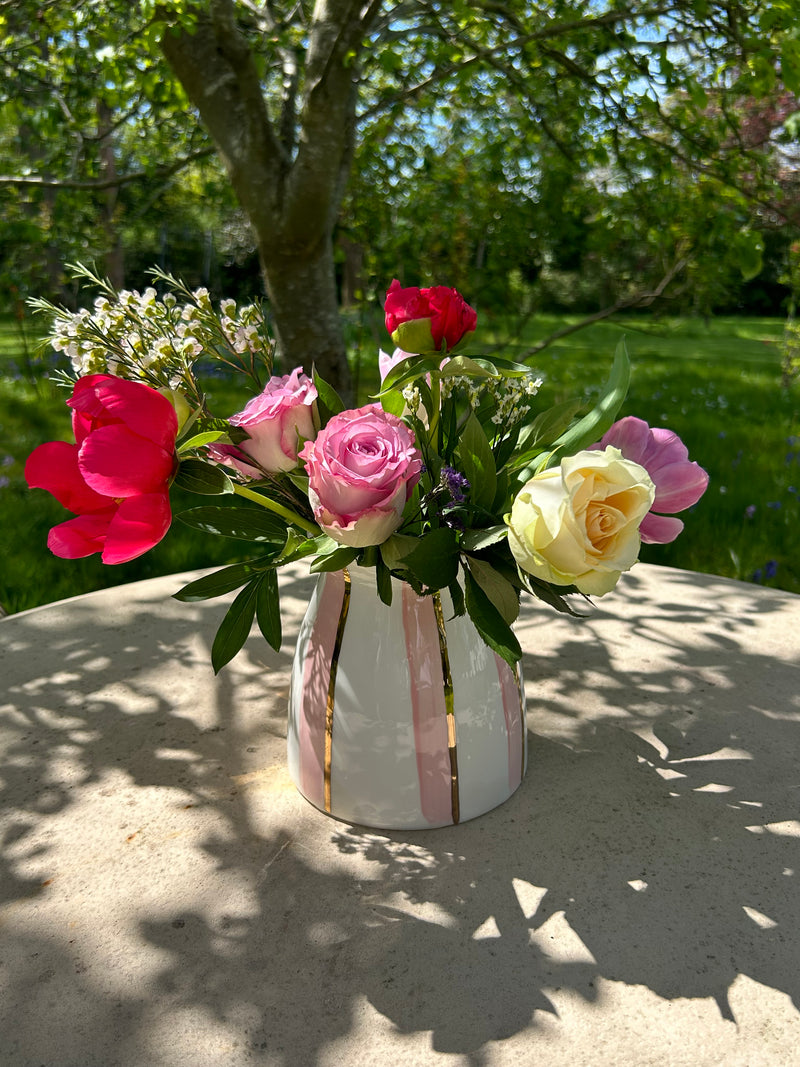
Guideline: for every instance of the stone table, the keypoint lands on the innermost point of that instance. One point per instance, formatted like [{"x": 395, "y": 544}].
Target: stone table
[{"x": 168, "y": 899}]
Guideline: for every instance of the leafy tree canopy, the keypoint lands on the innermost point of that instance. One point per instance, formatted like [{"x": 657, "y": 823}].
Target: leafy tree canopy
[{"x": 535, "y": 112}]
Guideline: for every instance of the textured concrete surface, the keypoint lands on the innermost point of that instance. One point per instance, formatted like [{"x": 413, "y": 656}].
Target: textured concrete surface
[{"x": 167, "y": 899}]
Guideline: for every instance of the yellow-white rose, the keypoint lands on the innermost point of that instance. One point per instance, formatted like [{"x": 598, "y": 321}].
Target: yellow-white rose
[{"x": 578, "y": 524}]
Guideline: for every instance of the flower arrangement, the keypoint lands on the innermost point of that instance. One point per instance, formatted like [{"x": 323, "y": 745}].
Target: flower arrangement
[{"x": 453, "y": 477}]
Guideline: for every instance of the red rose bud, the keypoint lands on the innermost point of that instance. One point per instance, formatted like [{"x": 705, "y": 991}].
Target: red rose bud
[{"x": 427, "y": 320}]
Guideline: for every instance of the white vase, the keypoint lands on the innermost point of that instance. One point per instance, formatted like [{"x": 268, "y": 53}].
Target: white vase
[{"x": 400, "y": 717}]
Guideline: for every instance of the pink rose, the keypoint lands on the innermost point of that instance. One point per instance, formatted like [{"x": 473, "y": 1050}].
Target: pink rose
[
  {"x": 426, "y": 320},
  {"x": 275, "y": 421},
  {"x": 361, "y": 470},
  {"x": 679, "y": 482},
  {"x": 116, "y": 476}
]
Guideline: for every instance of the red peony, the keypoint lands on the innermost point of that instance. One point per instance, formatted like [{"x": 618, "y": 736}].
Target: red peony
[
  {"x": 427, "y": 320},
  {"x": 116, "y": 476}
]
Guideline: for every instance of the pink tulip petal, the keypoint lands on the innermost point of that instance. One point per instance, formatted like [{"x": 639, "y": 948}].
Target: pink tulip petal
[
  {"x": 139, "y": 523},
  {"x": 659, "y": 529},
  {"x": 630, "y": 435},
  {"x": 679, "y": 482},
  {"x": 678, "y": 486},
  {"x": 80, "y": 536},
  {"x": 666, "y": 447},
  {"x": 54, "y": 466},
  {"x": 118, "y": 463}
]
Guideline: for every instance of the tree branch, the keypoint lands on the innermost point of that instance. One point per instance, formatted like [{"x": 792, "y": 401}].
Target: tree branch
[
  {"x": 327, "y": 117},
  {"x": 642, "y": 298},
  {"x": 216, "y": 68},
  {"x": 610, "y": 18},
  {"x": 159, "y": 173}
]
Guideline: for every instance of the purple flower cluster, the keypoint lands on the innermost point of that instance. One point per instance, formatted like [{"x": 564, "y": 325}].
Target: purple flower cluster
[{"x": 455, "y": 483}]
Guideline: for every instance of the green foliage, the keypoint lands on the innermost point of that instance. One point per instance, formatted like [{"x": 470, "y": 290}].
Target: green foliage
[{"x": 716, "y": 385}]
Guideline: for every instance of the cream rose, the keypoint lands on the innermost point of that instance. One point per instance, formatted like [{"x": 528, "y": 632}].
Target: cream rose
[{"x": 578, "y": 524}]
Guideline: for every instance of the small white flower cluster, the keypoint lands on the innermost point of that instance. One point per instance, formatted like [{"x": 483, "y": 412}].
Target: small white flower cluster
[
  {"x": 137, "y": 335},
  {"x": 513, "y": 398},
  {"x": 511, "y": 395},
  {"x": 412, "y": 397}
]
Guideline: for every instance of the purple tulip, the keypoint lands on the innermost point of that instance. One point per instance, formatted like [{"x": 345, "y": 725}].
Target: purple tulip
[{"x": 679, "y": 482}]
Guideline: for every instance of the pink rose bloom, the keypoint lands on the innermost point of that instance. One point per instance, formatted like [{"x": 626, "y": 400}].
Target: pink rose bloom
[
  {"x": 679, "y": 482},
  {"x": 275, "y": 421},
  {"x": 426, "y": 320},
  {"x": 116, "y": 476},
  {"x": 361, "y": 471}
]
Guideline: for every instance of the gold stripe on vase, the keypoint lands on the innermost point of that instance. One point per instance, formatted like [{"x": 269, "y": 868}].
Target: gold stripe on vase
[
  {"x": 447, "y": 680},
  {"x": 523, "y": 726},
  {"x": 337, "y": 648}
]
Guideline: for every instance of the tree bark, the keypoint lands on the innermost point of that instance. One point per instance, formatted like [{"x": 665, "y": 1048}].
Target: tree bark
[
  {"x": 302, "y": 297},
  {"x": 291, "y": 194}
]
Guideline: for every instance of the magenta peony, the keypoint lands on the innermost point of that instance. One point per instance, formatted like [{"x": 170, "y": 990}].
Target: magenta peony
[{"x": 116, "y": 476}]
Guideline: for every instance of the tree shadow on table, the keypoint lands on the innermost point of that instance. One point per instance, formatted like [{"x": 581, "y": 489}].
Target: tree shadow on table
[{"x": 654, "y": 845}]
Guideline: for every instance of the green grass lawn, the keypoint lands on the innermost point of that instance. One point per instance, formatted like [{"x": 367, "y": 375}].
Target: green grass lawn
[{"x": 716, "y": 384}]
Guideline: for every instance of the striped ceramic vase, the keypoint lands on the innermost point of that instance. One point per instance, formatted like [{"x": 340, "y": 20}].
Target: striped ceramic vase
[{"x": 400, "y": 717}]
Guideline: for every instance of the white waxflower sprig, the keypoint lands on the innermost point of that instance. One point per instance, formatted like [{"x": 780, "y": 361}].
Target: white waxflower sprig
[
  {"x": 511, "y": 396},
  {"x": 140, "y": 336}
]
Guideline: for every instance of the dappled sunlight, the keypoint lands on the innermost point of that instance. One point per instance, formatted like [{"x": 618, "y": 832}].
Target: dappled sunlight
[{"x": 163, "y": 881}]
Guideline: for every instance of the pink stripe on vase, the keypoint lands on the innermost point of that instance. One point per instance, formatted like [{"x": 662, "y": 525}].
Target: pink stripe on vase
[
  {"x": 428, "y": 707},
  {"x": 314, "y": 696},
  {"x": 512, "y": 710}
]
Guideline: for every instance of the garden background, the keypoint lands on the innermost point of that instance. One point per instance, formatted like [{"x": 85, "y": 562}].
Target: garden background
[{"x": 578, "y": 170}]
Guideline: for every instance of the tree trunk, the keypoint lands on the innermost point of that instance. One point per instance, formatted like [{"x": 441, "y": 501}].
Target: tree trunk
[
  {"x": 302, "y": 298},
  {"x": 288, "y": 177}
]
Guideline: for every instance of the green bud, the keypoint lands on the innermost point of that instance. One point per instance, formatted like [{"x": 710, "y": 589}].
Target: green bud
[{"x": 414, "y": 337}]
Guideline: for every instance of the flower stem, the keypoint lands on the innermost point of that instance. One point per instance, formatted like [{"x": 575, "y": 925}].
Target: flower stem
[
  {"x": 279, "y": 509},
  {"x": 436, "y": 394}
]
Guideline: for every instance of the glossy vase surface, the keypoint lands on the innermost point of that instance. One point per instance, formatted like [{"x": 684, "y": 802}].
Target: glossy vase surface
[{"x": 400, "y": 717}]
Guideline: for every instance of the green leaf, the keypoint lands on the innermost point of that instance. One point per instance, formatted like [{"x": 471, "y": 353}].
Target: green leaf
[
  {"x": 218, "y": 583},
  {"x": 235, "y": 626},
  {"x": 246, "y": 524},
  {"x": 200, "y": 439},
  {"x": 489, "y": 623},
  {"x": 545, "y": 427},
  {"x": 334, "y": 561},
  {"x": 434, "y": 560},
  {"x": 475, "y": 540},
  {"x": 547, "y": 593},
  {"x": 394, "y": 402},
  {"x": 203, "y": 478},
  {"x": 477, "y": 463},
  {"x": 268, "y": 609},
  {"x": 463, "y": 366},
  {"x": 500, "y": 592},
  {"x": 396, "y": 548},
  {"x": 327, "y": 398},
  {"x": 592, "y": 426},
  {"x": 457, "y": 596},
  {"x": 299, "y": 547},
  {"x": 383, "y": 580},
  {"x": 407, "y": 370},
  {"x": 748, "y": 251},
  {"x": 507, "y": 368}
]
